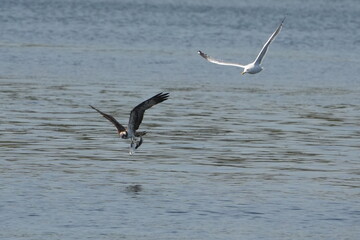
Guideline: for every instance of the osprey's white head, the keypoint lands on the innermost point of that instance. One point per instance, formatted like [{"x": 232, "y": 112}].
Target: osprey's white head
[{"x": 123, "y": 134}]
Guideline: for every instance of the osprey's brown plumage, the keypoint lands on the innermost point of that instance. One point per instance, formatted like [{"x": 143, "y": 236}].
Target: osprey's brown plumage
[
  {"x": 137, "y": 114},
  {"x": 136, "y": 117},
  {"x": 119, "y": 127}
]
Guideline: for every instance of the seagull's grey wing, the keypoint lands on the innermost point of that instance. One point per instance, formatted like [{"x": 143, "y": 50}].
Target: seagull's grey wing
[
  {"x": 137, "y": 114},
  {"x": 119, "y": 127},
  {"x": 264, "y": 49},
  {"x": 220, "y": 62}
]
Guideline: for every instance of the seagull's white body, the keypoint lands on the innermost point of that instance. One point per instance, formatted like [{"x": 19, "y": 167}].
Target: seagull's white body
[{"x": 253, "y": 67}]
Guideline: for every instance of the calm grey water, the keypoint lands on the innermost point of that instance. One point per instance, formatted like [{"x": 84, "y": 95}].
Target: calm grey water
[{"x": 268, "y": 156}]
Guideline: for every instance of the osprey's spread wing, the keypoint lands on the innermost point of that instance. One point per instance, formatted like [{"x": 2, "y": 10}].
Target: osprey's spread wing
[
  {"x": 264, "y": 49},
  {"x": 137, "y": 114},
  {"x": 119, "y": 127},
  {"x": 220, "y": 62}
]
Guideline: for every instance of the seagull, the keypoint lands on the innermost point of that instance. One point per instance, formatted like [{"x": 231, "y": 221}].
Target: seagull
[
  {"x": 136, "y": 117},
  {"x": 253, "y": 67}
]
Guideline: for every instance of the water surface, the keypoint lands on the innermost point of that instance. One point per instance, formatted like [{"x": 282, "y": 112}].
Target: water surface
[{"x": 267, "y": 156}]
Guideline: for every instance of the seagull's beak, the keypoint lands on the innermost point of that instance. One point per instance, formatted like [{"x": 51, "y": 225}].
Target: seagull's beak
[{"x": 243, "y": 73}]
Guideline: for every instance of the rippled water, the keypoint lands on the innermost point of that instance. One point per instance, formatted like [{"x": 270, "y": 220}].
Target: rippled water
[{"x": 268, "y": 156}]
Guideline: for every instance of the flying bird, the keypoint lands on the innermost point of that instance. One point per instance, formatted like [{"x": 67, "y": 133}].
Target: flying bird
[
  {"x": 136, "y": 117},
  {"x": 253, "y": 67}
]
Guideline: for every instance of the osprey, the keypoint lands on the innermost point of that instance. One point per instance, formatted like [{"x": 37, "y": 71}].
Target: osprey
[
  {"x": 253, "y": 67},
  {"x": 136, "y": 117}
]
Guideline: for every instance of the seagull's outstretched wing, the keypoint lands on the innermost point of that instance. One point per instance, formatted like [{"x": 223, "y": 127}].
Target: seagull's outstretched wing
[
  {"x": 264, "y": 49},
  {"x": 119, "y": 127},
  {"x": 220, "y": 62},
  {"x": 137, "y": 114}
]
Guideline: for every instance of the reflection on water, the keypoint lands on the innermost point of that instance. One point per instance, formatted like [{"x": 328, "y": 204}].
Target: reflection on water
[{"x": 269, "y": 156}]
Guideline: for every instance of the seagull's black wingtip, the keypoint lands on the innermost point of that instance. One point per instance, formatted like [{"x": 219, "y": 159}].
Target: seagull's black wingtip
[{"x": 204, "y": 55}]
